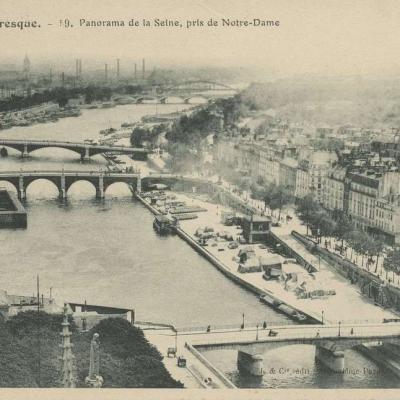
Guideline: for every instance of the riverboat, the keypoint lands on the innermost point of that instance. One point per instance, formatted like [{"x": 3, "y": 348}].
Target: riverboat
[
  {"x": 162, "y": 225},
  {"x": 269, "y": 300}
]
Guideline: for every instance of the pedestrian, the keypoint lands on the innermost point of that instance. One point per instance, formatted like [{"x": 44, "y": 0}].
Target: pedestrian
[
  {"x": 352, "y": 331},
  {"x": 264, "y": 325}
]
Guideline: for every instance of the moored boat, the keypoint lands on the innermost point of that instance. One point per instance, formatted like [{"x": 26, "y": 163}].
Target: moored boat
[{"x": 162, "y": 224}]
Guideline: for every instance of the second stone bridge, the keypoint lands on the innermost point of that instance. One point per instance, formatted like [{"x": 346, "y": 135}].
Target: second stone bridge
[
  {"x": 63, "y": 180},
  {"x": 330, "y": 341}
]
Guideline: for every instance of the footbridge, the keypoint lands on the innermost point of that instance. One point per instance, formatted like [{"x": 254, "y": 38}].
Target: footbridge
[
  {"x": 330, "y": 341},
  {"x": 63, "y": 180},
  {"x": 85, "y": 150}
]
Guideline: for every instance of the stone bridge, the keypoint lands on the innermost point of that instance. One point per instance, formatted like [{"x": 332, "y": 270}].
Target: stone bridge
[
  {"x": 331, "y": 341},
  {"x": 64, "y": 179},
  {"x": 171, "y": 179},
  {"x": 175, "y": 99},
  {"x": 85, "y": 150}
]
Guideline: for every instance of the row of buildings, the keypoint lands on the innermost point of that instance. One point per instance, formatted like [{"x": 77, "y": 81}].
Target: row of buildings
[{"x": 365, "y": 184}]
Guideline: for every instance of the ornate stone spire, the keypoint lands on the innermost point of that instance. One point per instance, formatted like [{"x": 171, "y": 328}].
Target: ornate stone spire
[{"x": 68, "y": 378}]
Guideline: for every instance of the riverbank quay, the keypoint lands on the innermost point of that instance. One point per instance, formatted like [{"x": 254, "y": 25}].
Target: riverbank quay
[
  {"x": 348, "y": 305},
  {"x": 186, "y": 231},
  {"x": 43, "y": 113}
]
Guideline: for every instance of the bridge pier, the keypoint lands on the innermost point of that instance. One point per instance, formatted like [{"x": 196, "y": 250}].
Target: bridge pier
[
  {"x": 62, "y": 192},
  {"x": 86, "y": 155},
  {"x": 100, "y": 188},
  {"x": 250, "y": 364},
  {"x": 332, "y": 359},
  {"x": 25, "y": 153},
  {"x": 99, "y": 193},
  {"x": 21, "y": 189}
]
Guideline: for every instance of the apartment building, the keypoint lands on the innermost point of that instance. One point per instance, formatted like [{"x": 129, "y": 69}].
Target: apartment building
[
  {"x": 303, "y": 181},
  {"x": 288, "y": 173},
  {"x": 373, "y": 202},
  {"x": 334, "y": 184}
]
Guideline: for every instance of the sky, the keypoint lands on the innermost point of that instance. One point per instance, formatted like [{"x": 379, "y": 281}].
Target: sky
[{"x": 314, "y": 36}]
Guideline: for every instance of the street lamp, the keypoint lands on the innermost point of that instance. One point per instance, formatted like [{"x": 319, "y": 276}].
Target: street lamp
[
  {"x": 322, "y": 317},
  {"x": 176, "y": 340},
  {"x": 243, "y": 321},
  {"x": 339, "y": 329},
  {"x": 257, "y": 332}
]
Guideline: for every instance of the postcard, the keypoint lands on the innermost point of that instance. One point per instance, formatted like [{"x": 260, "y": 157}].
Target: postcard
[{"x": 199, "y": 199}]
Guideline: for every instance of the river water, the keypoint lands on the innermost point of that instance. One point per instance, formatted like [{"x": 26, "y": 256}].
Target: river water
[{"x": 106, "y": 252}]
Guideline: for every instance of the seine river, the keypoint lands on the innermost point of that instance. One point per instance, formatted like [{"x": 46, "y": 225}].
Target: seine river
[{"x": 106, "y": 252}]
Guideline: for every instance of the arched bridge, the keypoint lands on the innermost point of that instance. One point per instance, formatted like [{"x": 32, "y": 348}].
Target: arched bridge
[
  {"x": 200, "y": 85},
  {"x": 174, "y": 99},
  {"x": 331, "y": 341},
  {"x": 64, "y": 179},
  {"x": 85, "y": 150}
]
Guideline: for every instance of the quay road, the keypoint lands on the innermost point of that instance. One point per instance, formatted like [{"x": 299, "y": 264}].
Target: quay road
[{"x": 85, "y": 150}]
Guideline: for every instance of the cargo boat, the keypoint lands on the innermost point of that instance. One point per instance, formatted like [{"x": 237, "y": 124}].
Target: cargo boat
[{"x": 162, "y": 225}]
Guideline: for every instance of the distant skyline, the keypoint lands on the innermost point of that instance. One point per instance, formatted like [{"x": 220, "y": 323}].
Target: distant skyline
[{"x": 314, "y": 37}]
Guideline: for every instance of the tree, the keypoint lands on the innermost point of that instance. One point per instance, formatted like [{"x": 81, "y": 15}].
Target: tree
[
  {"x": 392, "y": 262},
  {"x": 326, "y": 225},
  {"x": 260, "y": 191},
  {"x": 138, "y": 135},
  {"x": 360, "y": 242},
  {"x": 307, "y": 208},
  {"x": 278, "y": 197},
  {"x": 351, "y": 238},
  {"x": 377, "y": 247},
  {"x": 343, "y": 225}
]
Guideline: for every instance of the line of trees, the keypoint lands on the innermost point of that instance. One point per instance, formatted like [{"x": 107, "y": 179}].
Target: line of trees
[
  {"x": 340, "y": 227},
  {"x": 275, "y": 197}
]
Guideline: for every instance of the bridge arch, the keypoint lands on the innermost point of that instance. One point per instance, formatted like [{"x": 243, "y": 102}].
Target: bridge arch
[
  {"x": 87, "y": 184},
  {"x": 36, "y": 148},
  {"x": 9, "y": 184},
  {"x": 41, "y": 181},
  {"x": 120, "y": 186},
  {"x": 16, "y": 147}
]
